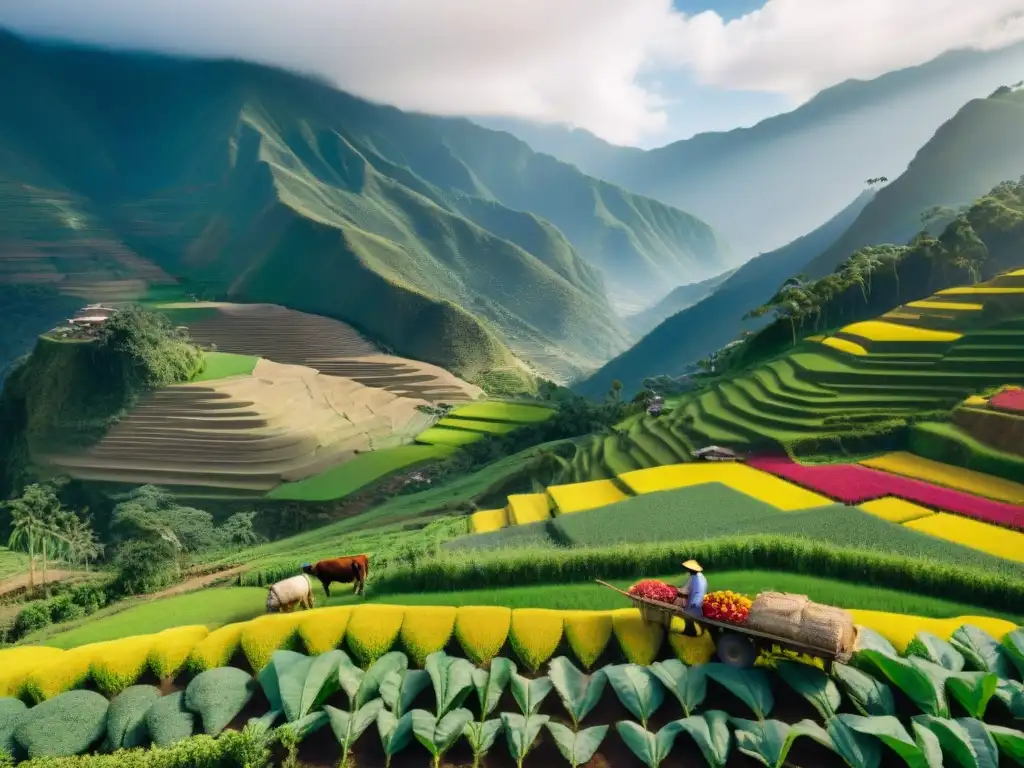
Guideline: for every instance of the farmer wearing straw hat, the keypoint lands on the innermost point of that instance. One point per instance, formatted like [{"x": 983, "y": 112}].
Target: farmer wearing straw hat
[{"x": 691, "y": 594}]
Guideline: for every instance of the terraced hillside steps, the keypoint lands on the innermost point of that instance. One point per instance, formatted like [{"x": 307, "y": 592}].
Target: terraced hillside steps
[
  {"x": 283, "y": 423},
  {"x": 329, "y": 346}
]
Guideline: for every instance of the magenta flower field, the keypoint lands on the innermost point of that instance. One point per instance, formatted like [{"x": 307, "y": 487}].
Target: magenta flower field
[
  {"x": 1008, "y": 400},
  {"x": 855, "y": 484}
]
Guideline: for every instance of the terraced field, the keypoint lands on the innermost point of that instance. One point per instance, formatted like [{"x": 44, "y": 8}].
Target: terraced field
[
  {"x": 247, "y": 433},
  {"x": 331, "y": 347},
  {"x": 927, "y": 355},
  {"x": 469, "y": 423}
]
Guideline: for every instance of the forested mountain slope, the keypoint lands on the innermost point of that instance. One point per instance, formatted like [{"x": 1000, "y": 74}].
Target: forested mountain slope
[{"x": 442, "y": 240}]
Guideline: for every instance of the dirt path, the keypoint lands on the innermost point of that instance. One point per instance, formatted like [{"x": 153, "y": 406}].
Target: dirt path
[
  {"x": 197, "y": 582},
  {"x": 19, "y": 582}
]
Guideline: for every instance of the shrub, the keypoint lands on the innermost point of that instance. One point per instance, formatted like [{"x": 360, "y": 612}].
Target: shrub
[
  {"x": 218, "y": 695},
  {"x": 217, "y": 648},
  {"x": 171, "y": 648},
  {"x": 588, "y": 634},
  {"x": 195, "y": 752},
  {"x": 426, "y": 630},
  {"x": 50, "y": 680},
  {"x": 117, "y": 664},
  {"x": 640, "y": 642},
  {"x": 64, "y": 608},
  {"x": 17, "y": 663},
  {"x": 535, "y": 634},
  {"x": 266, "y": 634},
  {"x": 372, "y": 631},
  {"x": 12, "y": 712},
  {"x": 324, "y": 629},
  {"x": 68, "y": 724},
  {"x": 126, "y": 718},
  {"x": 168, "y": 721},
  {"x": 31, "y": 618},
  {"x": 482, "y": 631}
]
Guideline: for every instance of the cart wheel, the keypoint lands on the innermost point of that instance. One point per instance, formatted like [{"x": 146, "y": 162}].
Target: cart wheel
[{"x": 736, "y": 651}]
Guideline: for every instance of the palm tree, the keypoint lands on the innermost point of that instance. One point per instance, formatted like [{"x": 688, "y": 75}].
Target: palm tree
[
  {"x": 80, "y": 543},
  {"x": 35, "y": 516}
]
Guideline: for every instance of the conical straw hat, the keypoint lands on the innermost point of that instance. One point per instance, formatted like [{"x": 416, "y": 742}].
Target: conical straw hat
[{"x": 692, "y": 565}]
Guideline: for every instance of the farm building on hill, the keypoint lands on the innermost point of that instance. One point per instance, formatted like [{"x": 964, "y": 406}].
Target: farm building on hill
[{"x": 715, "y": 453}]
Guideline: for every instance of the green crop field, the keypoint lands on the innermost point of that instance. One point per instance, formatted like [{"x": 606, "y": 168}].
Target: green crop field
[
  {"x": 711, "y": 511},
  {"x": 350, "y": 476},
  {"x": 12, "y": 563},
  {"x": 501, "y": 411},
  {"x": 442, "y": 436},
  {"x": 221, "y": 365}
]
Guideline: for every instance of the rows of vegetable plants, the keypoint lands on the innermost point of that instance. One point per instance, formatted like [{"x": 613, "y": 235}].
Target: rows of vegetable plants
[
  {"x": 854, "y": 484},
  {"x": 960, "y": 700}
]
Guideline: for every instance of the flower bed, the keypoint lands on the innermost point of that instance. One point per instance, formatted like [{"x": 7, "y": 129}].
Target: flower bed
[
  {"x": 959, "y": 699},
  {"x": 854, "y": 484},
  {"x": 1008, "y": 400}
]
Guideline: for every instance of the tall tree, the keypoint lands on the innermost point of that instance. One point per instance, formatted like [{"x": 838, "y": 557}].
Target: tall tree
[{"x": 35, "y": 519}]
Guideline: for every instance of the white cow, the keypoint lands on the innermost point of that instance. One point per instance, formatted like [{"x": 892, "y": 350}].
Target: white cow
[{"x": 286, "y": 594}]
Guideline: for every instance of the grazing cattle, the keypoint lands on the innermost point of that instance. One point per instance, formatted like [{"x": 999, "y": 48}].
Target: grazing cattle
[
  {"x": 286, "y": 594},
  {"x": 344, "y": 570}
]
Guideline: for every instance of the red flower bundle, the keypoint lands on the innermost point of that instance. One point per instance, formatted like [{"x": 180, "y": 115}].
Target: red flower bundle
[{"x": 652, "y": 589}]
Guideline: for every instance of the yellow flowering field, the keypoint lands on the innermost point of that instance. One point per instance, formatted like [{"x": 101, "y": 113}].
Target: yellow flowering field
[
  {"x": 482, "y": 630},
  {"x": 265, "y": 634},
  {"x": 902, "y": 315},
  {"x": 372, "y": 631},
  {"x": 954, "y": 305},
  {"x": 844, "y": 345},
  {"x": 528, "y": 508},
  {"x": 170, "y": 649},
  {"x": 535, "y": 633},
  {"x": 588, "y": 634},
  {"x": 980, "y": 290},
  {"x": 879, "y": 330},
  {"x": 579, "y": 497},
  {"x": 115, "y": 666},
  {"x": 17, "y": 663},
  {"x": 967, "y": 480},
  {"x": 488, "y": 520},
  {"x": 899, "y": 629},
  {"x": 217, "y": 648},
  {"x": 760, "y": 485},
  {"x": 426, "y": 630},
  {"x": 975, "y": 400},
  {"x": 640, "y": 642},
  {"x": 323, "y": 630},
  {"x": 1001, "y": 542},
  {"x": 895, "y": 510}
]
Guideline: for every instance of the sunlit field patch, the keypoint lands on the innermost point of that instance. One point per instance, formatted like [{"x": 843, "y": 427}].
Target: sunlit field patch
[
  {"x": 909, "y": 465},
  {"x": 972, "y": 533},
  {"x": 525, "y": 508},
  {"x": 844, "y": 345},
  {"x": 899, "y": 629},
  {"x": 577, "y": 497},
  {"x": 499, "y": 411},
  {"x": 488, "y": 520},
  {"x": 877, "y": 330},
  {"x": 964, "y": 306},
  {"x": 896, "y": 510}
]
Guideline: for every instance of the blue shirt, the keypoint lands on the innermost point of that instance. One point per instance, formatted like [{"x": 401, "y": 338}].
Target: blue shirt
[{"x": 698, "y": 588}]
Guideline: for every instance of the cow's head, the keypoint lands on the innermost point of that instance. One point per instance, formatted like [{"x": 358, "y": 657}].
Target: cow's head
[
  {"x": 272, "y": 606},
  {"x": 307, "y": 568}
]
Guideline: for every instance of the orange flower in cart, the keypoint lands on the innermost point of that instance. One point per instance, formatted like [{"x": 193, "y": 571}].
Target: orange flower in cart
[{"x": 726, "y": 605}]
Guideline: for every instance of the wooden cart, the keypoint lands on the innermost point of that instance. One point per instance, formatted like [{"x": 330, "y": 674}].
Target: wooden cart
[{"x": 735, "y": 645}]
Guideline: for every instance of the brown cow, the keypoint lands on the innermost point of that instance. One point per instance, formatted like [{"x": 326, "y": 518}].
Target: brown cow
[{"x": 344, "y": 570}]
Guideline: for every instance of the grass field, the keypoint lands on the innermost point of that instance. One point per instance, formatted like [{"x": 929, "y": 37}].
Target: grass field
[
  {"x": 224, "y": 605},
  {"x": 469, "y": 423},
  {"x": 360, "y": 471},
  {"x": 222, "y": 365},
  {"x": 12, "y": 563}
]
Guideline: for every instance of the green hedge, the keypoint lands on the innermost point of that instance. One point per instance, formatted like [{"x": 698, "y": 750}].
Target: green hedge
[
  {"x": 126, "y": 718},
  {"x": 228, "y": 751},
  {"x": 218, "y": 695},
  {"x": 68, "y": 724},
  {"x": 168, "y": 721},
  {"x": 518, "y": 568}
]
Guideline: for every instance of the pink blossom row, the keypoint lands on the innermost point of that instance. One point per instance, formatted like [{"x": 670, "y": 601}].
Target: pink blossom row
[
  {"x": 1008, "y": 400},
  {"x": 855, "y": 484}
]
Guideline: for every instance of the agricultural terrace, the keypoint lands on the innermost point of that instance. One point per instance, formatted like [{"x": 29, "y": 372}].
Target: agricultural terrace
[
  {"x": 329, "y": 346},
  {"x": 473, "y": 421},
  {"x": 212, "y": 681},
  {"x": 919, "y": 358},
  {"x": 755, "y": 492},
  {"x": 247, "y": 434}
]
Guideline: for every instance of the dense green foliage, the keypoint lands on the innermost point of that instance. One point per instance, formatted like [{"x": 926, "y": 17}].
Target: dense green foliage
[
  {"x": 126, "y": 718},
  {"x": 68, "y": 724},
  {"x": 70, "y": 392}
]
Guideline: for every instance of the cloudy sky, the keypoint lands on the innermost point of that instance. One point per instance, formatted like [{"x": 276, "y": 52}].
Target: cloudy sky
[{"x": 641, "y": 72}]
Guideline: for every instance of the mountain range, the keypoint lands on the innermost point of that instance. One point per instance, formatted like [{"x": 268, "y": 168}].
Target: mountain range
[
  {"x": 442, "y": 240},
  {"x": 979, "y": 147},
  {"x": 766, "y": 185}
]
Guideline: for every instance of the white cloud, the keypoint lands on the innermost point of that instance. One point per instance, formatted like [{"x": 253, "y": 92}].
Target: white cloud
[{"x": 573, "y": 61}]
